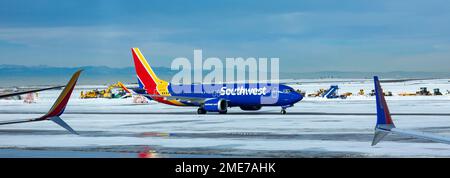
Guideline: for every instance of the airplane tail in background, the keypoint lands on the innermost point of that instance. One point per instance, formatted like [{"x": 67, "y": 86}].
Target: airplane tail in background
[
  {"x": 140, "y": 83},
  {"x": 146, "y": 77},
  {"x": 384, "y": 120}
]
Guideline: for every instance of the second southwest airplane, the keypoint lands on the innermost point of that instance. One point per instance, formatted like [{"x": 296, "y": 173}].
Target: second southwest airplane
[{"x": 249, "y": 97}]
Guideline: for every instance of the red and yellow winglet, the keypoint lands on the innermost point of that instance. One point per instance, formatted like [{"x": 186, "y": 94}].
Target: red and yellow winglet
[
  {"x": 57, "y": 108},
  {"x": 61, "y": 103},
  {"x": 124, "y": 87}
]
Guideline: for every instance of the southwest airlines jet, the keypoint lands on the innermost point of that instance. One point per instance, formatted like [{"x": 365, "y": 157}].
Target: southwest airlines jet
[
  {"x": 57, "y": 108},
  {"x": 249, "y": 97},
  {"x": 385, "y": 125}
]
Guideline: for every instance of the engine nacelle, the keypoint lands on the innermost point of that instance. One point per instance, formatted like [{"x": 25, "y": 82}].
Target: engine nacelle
[
  {"x": 216, "y": 105},
  {"x": 250, "y": 108}
]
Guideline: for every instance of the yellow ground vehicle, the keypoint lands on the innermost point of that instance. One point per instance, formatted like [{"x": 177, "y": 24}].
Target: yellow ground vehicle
[
  {"x": 423, "y": 91},
  {"x": 407, "y": 94},
  {"x": 387, "y": 93},
  {"x": 106, "y": 93},
  {"x": 89, "y": 94},
  {"x": 318, "y": 93},
  {"x": 361, "y": 92},
  {"x": 347, "y": 94}
]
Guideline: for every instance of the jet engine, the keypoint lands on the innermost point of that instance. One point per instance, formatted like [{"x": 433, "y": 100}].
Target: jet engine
[{"x": 216, "y": 105}]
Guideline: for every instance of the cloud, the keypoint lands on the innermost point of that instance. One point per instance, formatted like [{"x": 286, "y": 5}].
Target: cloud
[{"x": 305, "y": 35}]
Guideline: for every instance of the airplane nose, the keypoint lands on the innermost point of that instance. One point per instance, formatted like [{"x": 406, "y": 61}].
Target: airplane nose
[{"x": 297, "y": 97}]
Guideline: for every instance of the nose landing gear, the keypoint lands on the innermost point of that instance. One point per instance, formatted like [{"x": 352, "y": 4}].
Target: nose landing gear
[{"x": 283, "y": 109}]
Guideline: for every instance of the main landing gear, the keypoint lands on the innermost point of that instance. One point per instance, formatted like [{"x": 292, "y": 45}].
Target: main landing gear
[
  {"x": 201, "y": 111},
  {"x": 283, "y": 111}
]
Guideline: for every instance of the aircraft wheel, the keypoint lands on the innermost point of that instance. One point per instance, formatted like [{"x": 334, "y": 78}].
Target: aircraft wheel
[
  {"x": 201, "y": 111},
  {"x": 283, "y": 111}
]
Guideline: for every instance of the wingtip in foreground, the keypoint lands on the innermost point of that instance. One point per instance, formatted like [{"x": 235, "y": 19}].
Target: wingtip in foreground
[
  {"x": 384, "y": 119},
  {"x": 60, "y": 104},
  {"x": 58, "y": 107},
  {"x": 385, "y": 125}
]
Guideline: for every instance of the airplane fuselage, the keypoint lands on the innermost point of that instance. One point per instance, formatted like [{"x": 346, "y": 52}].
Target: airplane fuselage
[{"x": 236, "y": 95}]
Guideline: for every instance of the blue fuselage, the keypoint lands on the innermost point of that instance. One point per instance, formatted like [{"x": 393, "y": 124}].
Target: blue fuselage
[{"x": 239, "y": 94}]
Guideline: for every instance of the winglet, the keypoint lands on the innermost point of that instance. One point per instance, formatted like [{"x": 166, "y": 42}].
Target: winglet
[
  {"x": 384, "y": 120},
  {"x": 125, "y": 88},
  {"x": 61, "y": 103}
]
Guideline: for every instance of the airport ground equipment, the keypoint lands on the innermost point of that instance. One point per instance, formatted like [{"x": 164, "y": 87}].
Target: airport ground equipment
[
  {"x": 361, "y": 92},
  {"x": 347, "y": 94},
  {"x": 385, "y": 125},
  {"x": 112, "y": 91},
  {"x": 372, "y": 93},
  {"x": 331, "y": 92},
  {"x": 317, "y": 93},
  {"x": 30, "y": 98},
  {"x": 140, "y": 99},
  {"x": 89, "y": 94},
  {"x": 138, "y": 94},
  {"x": 407, "y": 94},
  {"x": 423, "y": 91},
  {"x": 436, "y": 92}
]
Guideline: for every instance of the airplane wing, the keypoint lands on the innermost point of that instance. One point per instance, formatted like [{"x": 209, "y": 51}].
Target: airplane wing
[
  {"x": 423, "y": 135},
  {"x": 29, "y": 91},
  {"x": 57, "y": 109},
  {"x": 18, "y": 121},
  {"x": 199, "y": 100}
]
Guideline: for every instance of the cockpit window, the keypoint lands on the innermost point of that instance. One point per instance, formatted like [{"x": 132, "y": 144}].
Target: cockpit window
[{"x": 287, "y": 90}]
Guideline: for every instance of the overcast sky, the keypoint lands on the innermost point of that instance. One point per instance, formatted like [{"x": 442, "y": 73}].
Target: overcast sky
[{"x": 359, "y": 35}]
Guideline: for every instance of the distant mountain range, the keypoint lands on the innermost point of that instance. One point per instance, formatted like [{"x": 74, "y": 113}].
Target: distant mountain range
[{"x": 17, "y": 75}]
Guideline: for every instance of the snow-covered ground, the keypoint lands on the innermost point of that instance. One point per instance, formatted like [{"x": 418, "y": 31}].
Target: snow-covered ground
[{"x": 315, "y": 127}]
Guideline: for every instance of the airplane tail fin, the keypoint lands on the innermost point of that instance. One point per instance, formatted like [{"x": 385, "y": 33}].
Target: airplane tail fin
[
  {"x": 60, "y": 104},
  {"x": 140, "y": 83},
  {"x": 144, "y": 72},
  {"x": 384, "y": 119}
]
